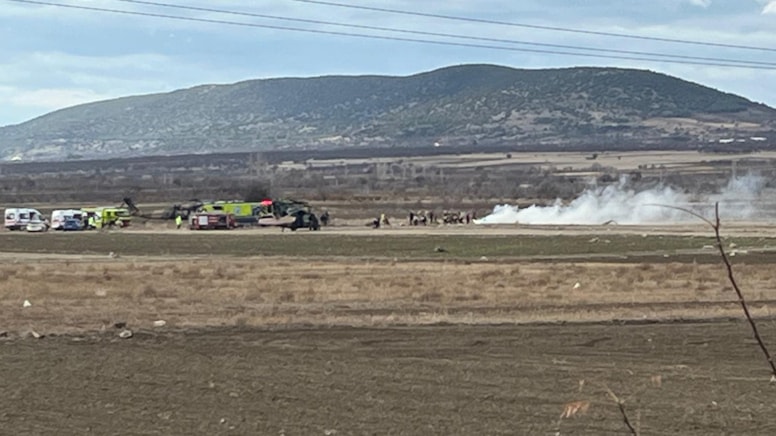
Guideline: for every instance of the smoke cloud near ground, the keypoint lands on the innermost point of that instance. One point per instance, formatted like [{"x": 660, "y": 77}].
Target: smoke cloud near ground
[{"x": 622, "y": 204}]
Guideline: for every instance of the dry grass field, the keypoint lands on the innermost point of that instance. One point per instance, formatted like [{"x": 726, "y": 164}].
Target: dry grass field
[
  {"x": 420, "y": 331},
  {"x": 348, "y": 332},
  {"x": 91, "y": 294}
]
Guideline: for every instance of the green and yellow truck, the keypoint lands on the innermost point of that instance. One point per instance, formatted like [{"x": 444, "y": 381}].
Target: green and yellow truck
[
  {"x": 101, "y": 217},
  {"x": 245, "y": 213}
]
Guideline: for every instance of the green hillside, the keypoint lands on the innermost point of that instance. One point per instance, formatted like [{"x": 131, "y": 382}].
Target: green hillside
[{"x": 468, "y": 104}]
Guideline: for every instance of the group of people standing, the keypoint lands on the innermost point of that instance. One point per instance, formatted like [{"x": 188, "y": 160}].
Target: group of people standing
[
  {"x": 423, "y": 218},
  {"x": 428, "y": 217}
]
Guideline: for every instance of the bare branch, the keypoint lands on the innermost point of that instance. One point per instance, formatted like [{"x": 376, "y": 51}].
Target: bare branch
[
  {"x": 623, "y": 412},
  {"x": 740, "y": 294},
  {"x": 716, "y": 225},
  {"x": 687, "y": 211}
]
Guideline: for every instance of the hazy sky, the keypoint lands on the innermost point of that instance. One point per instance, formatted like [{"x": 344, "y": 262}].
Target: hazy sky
[{"x": 53, "y": 57}]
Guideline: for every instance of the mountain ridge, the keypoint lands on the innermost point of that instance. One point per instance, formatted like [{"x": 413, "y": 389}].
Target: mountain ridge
[{"x": 457, "y": 105}]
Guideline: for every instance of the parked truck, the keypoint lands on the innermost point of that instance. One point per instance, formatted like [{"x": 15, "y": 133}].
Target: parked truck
[
  {"x": 245, "y": 213},
  {"x": 107, "y": 217},
  {"x": 212, "y": 221}
]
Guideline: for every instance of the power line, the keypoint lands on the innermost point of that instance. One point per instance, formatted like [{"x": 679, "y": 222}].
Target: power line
[
  {"x": 395, "y": 38},
  {"x": 534, "y": 26},
  {"x": 445, "y": 35}
]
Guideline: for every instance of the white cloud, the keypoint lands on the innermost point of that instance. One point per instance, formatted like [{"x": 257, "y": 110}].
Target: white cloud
[
  {"x": 73, "y": 56},
  {"x": 35, "y": 83},
  {"x": 52, "y": 98}
]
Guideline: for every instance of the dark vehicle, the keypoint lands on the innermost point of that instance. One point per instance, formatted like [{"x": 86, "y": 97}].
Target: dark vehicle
[
  {"x": 289, "y": 214},
  {"x": 184, "y": 210},
  {"x": 72, "y": 225}
]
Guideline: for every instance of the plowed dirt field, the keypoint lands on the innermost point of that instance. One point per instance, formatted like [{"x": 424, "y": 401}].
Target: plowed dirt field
[
  {"x": 688, "y": 379},
  {"x": 354, "y": 333}
]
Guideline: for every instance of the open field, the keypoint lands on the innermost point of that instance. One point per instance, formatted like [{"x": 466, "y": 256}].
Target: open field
[
  {"x": 436, "y": 177},
  {"x": 573, "y": 161},
  {"x": 401, "y": 330},
  {"x": 626, "y": 244},
  {"x": 351, "y": 331},
  {"x": 71, "y": 294},
  {"x": 677, "y": 379}
]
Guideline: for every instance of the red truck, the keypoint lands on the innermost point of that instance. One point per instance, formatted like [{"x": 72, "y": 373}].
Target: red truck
[{"x": 212, "y": 221}]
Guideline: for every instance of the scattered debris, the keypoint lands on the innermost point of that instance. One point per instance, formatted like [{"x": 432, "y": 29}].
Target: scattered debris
[
  {"x": 708, "y": 247},
  {"x": 119, "y": 324},
  {"x": 577, "y": 285},
  {"x": 113, "y": 255},
  {"x": 160, "y": 323},
  {"x": 101, "y": 293},
  {"x": 733, "y": 245},
  {"x": 26, "y": 303},
  {"x": 484, "y": 258},
  {"x": 126, "y": 334},
  {"x": 440, "y": 250},
  {"x": 36, "y": 335},
  {"x": 3, "y": 334},
  {"x": 593, "y": 240}
]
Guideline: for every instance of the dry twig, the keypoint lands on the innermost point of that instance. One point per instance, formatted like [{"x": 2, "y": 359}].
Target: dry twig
[
  {"x": 623, "y": 412},
  {"x": 716, "y": 225}
]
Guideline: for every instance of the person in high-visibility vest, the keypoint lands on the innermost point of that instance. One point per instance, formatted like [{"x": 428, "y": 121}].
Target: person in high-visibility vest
[
  {"x": 178, "y": 221},
  {"x": 92, "y": 222}
]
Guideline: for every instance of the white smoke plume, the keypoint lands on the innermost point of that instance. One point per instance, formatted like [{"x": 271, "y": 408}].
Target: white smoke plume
[{"x": 622, "y": 205}]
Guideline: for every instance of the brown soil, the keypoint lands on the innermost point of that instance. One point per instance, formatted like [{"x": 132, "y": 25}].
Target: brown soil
[
  {"x": 688, "y": 379},
  {"x": 290, "y": 345}
]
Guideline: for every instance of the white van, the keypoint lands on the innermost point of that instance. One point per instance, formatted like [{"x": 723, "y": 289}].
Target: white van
[
  {"x": 18, "y": 218},
  {"x": 58, "y": 217}
]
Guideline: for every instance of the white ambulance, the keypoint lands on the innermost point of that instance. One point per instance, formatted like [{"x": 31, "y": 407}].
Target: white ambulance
[
  {"x": 58, "y": 217},
  {"x": 18, "y": 218}
]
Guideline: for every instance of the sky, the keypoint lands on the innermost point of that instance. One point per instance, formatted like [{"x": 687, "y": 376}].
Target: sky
[{"x": 53, "y": 57}]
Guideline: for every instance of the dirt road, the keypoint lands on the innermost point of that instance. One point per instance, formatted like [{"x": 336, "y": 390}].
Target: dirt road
[{"x": 688, "y": 379}]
